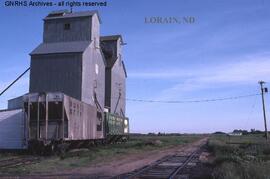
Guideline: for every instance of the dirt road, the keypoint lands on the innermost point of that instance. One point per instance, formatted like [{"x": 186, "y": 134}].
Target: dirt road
[{"x": 131, "y": 162}]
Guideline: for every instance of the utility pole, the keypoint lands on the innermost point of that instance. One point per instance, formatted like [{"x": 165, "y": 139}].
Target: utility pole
[{"x": 264, "y": 115}]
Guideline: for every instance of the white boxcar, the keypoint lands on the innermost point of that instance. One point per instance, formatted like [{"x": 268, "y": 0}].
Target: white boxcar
[{"x": 13, "y": 129}]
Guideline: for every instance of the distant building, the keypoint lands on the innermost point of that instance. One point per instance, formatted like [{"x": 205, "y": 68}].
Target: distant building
[
  {"x": 235, "y": 133},
  {"x": 15, "y": 103}
]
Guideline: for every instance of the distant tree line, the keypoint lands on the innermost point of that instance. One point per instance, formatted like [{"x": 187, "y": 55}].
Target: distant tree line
[{"x": 244, "y": 132}]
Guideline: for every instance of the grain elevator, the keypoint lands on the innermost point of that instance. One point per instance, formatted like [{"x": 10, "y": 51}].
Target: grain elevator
[{"x": 77, "y": 86}]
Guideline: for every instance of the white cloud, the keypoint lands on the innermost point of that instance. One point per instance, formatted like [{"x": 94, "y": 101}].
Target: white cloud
[
  {"x": 241, "y": 72},
  {"x": 249, "y": 70},
  {"x": 160, "y": 74},
  {"x": 190, "y": 81}
]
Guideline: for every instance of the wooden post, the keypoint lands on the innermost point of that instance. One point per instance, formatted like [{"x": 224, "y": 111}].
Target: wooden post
[
  {"x": 264, "y": 115},
  {"x": 24, "y": 126},
  {"x": 38, "y": 118},
  {"x": 46, "y": 119},
  {"x": 28, "y": 118},
  {"x": 63, "y": 117}
]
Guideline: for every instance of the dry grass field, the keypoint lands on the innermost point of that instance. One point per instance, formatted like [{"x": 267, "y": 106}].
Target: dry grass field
[{"x": 240, "y": 157}]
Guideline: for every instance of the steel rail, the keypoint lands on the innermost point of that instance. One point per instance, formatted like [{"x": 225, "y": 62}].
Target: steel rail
[
  {"x": 178, "y": 169},
  {"x": 172, "y": 174},
  {"x": 149, "y": 167},
  {"x": 14, "y": 162}
]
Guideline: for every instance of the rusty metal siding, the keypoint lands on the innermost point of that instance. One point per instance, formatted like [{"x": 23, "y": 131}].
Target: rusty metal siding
[
  {"x": 12, "y": 129},
  {"x": 80, "y": 29},
  {"x": 57, "y": 72}
]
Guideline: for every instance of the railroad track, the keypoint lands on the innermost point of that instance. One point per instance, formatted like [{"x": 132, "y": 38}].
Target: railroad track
[
  {"x": 169, "y": 167},
  {"x": 18, "y": 161}
]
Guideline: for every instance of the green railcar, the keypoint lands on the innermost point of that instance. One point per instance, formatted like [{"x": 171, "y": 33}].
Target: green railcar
[{"x": 116, "y": 125}]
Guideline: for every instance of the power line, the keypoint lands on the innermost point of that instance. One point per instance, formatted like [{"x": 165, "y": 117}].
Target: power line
[
  {"x": 155, "y": 101},
  {"x": 184, "y": 101},
  {"x": 250, "y": 113},
  {"x": 14, "y": 81},
  {"x": 193, "y": 101}
]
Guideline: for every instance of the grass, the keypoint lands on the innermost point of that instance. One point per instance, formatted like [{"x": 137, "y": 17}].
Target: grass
[
  {"x": 107, "y": 153},
  {"x": 240, "y": 157}
]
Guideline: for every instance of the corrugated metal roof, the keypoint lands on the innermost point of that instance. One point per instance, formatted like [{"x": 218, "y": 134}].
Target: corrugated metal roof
[
  {"x": 58, "y": 12},
  {"x": 61, "y": 47},
  {"x": 73, "y": 14}
]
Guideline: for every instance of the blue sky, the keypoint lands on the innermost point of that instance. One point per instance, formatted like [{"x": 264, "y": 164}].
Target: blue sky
[{"x": 224, "y": 53}]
